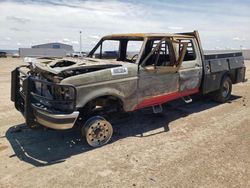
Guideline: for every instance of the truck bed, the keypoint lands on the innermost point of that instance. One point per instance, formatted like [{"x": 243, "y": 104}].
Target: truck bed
[
  {"x": 216, "y": 65},
  {"x": 214, "y": 55},
  {"x": 224, "y": 61}
]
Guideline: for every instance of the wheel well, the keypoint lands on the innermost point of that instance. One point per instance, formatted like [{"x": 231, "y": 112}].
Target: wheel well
[
  {"x": 107, "y": 103},
  {"x": 231, "y": 75}
]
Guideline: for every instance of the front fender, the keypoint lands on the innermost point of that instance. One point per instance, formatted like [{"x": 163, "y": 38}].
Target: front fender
[
  {"x": 83, "y": 96},
  {"x": 125, "y": 90}
]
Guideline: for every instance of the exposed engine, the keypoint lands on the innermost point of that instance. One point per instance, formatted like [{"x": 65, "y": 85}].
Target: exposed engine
[{"x": 56, "y": 70}]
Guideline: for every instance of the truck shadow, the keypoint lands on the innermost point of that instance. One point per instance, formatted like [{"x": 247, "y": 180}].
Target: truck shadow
[{"x": 42, "y": 147}]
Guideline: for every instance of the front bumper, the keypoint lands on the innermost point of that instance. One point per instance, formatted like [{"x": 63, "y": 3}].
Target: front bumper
[
  {"x": 56, "y": 121},
  {"x": 43, "y": 104}
]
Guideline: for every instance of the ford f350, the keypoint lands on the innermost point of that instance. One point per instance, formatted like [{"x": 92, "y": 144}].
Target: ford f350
[{"x": 123, "y": 72}]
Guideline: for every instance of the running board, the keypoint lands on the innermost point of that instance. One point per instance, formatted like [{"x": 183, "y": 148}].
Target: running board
[
  {"x": 157, "y": 109},
  {"x": 187, "y": 99}
]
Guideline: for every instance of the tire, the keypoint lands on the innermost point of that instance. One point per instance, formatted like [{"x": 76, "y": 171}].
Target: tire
[
  {"x": 97, "y": 131},
  {"x": 224, "y": 93}
]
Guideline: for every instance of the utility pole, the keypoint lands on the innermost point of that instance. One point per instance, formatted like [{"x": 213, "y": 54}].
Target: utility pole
[{"x": 80, "y": 50}]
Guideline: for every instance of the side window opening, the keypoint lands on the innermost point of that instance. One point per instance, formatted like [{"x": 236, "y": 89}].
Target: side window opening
[
  {"x": 118, "y": 49},
  {"x": 190, "y": 54},
  {"x": 109, "y": 49},
  {"x": 133, "y": 50}
]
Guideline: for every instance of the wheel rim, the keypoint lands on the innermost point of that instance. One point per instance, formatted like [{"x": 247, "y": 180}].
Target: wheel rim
[
  {"x": 99, "y": 133},
  {"x": 225, "y": 89}
]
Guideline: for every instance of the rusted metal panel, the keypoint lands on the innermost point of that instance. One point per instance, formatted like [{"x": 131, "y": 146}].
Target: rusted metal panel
[
  {"x": 107, "y": 83},
  {"x": 153, "y": 84},
  {"x": 190, "y": 79}
]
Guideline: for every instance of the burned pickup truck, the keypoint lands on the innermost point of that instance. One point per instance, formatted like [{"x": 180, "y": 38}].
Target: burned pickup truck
[{"x": 123, "y": 72}]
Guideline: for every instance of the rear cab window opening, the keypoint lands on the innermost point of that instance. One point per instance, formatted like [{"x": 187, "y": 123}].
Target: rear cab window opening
[
  {"x": 190, "y": 54},
  {"x": 158, "y": 52}
]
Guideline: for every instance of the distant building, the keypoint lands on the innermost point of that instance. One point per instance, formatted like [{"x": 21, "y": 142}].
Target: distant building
[
  {"x": 3, "y": 54},
  {"x": 55, "y": 49},
  {"x": 55, "y": 45}
]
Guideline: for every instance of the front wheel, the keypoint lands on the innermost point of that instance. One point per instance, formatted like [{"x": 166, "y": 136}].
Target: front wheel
[
  {"x": 224, "y": 93},
  {"x": 97, "y": 131}
]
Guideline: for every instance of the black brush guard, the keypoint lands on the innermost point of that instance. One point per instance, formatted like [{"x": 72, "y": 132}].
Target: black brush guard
[{"x": 28, "y": 97}]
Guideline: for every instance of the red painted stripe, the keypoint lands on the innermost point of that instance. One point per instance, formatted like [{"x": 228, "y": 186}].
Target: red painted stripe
[{"x": 165, "y": 98}]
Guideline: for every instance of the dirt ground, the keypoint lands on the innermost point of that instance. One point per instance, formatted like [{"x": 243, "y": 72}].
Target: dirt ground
[{"x": 202, "y": 144}]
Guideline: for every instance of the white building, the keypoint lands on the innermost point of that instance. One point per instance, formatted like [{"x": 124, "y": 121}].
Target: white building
[{"x": 55, "y": 49}]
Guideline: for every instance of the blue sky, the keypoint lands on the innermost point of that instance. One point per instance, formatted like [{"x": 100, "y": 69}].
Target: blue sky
[{"x": 222, "y": 24}]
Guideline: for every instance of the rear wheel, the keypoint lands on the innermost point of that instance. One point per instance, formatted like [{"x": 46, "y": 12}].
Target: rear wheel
[
  {"x": 224, "y": 93},
  {"x": 97, "y": 131}
]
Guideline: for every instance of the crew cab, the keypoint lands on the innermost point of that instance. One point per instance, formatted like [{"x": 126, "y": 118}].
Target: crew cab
[{"x": 122, "y": 73}]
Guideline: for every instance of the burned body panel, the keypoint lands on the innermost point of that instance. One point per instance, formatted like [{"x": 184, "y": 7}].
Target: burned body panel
[
  {"x": 107, "y": 74},
  {"x": 191, "y": 69},
  {"x": 153, "y": 84},
  {"x": 190, "y": 79},
  {"x": 120, "y": 82},
  {"x": 124, "y": 89}
]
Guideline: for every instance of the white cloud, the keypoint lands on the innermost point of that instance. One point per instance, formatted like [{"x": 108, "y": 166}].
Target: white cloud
[
  {"x": 94, "y": 36},
  {"x": 56, "y": 20},
  {"x": 15, "y": 29},
  {"x": 66, "y": 40},
  {"x": 239, "y": 39},
  {"x": 17, "y": 19},
  {"x": 7, "y": 38},
  {"x": 175, "y": 28},
  {"x": 74, "y": 42}
]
